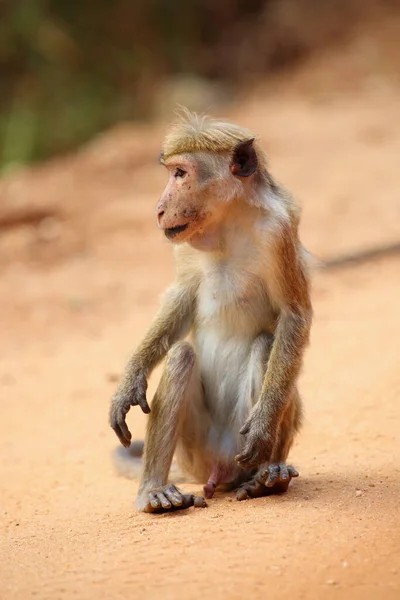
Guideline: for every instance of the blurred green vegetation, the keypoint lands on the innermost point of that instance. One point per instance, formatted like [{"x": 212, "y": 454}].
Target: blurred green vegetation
[{"x": 69, "y": 69}]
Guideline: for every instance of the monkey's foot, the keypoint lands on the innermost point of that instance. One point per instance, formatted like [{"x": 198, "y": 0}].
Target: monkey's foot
[
  {"x": 167, "y": 498},
  {"x": 271, "y": 479}
]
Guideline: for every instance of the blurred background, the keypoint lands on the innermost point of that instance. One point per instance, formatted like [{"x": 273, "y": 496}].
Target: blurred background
[
  {"x": 86, "y": 91},
  {"x": 70, "y": 69}
]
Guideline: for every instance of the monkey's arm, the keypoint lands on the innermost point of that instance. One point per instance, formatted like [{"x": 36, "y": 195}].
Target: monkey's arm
[
  {"x": 171, "y": 323},
  {"x": 289, "y": 291}
]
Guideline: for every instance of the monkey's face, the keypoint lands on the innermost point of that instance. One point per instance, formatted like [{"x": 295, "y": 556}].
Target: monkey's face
[
  {"x": 200, "y": 188},
  {"x": 186, "y": 204}
]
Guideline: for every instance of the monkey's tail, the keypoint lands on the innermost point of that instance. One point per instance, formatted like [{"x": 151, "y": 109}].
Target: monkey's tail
[{"x": 128, "y": 462}]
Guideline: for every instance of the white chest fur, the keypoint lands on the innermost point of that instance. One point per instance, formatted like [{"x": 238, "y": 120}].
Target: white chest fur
[
  {"x": 232, "y": 310},
  {"x": 232, "y": 299}
]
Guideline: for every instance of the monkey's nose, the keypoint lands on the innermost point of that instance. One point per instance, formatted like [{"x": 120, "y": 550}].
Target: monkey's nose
[{"x": 160, "y": 214}]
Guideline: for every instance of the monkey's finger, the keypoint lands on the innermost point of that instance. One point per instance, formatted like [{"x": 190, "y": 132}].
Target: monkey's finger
[
  {"x": 292, "y": 471},
  {"x": 126, "y": 443},
  {"x": 246, "y": 459},
  {"x": 173, "y": 495},
  {"x": 251, "y": 489},
  {"x": 117, "y": 422},
  {"x": 242, "y": 494},
  {"x": 117, "y": 429},
  {"x": 262, "y": 475},
  {"x": 283, "y": 472},
  {"x": 165, "y": 503},
  {"x": 245, "y": 455},
  {"x": 247, "y": 464},
  {"x": 126, "y": 433},
  {"x": 256, "y": 490},
  {"x": 242, "y": 459},
  {"x": 273, "y": 475},
  {"x": 122, "y": 431},
  {"x": 142, "y": 401},
  {"x": 154, "y": 501}
]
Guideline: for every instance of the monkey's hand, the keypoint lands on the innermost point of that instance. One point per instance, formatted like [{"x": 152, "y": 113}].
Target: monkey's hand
[
  {"x": 259, "y": 441},
  {"x": 132, "y": 392}
]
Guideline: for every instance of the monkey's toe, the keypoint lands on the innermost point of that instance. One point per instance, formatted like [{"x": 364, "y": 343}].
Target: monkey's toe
[
  {"x": 168, "y": 499},
  {"x": 199, "y": 502},
  {"x": 271, "y": 479},
  {"x": 242, "y": 494},
  {"x": 276, "y": 476},
  {"x": 251, "y": 489}
]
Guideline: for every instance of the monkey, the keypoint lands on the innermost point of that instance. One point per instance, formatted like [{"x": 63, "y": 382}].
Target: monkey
[{"x": 232, "y": 328}]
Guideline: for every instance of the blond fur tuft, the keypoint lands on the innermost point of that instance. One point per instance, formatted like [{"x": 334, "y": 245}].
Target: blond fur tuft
[{"x": 199, "y": 133}]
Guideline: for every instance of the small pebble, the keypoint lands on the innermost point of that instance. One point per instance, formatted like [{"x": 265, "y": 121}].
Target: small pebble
[
  {"x": 331, "y": 582},
  {"x": 358, "y": 493}
]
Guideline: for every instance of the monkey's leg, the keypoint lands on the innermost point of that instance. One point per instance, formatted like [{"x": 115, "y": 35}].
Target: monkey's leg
[
  {"x": 274, "y": 477},
  {"x": 168, "y": 408}
]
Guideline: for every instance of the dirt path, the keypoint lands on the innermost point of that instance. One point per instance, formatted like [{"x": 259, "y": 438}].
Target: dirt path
[{"x": 78, "y": 291}]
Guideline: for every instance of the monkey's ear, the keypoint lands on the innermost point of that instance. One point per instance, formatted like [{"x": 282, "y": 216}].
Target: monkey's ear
[{"x": 244, "y": 160}]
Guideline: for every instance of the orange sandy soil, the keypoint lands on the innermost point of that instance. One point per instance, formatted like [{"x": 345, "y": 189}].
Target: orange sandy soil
[{"x": 82, "y": 267}]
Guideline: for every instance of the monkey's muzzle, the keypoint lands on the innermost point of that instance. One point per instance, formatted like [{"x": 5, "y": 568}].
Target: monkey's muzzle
[{"x": 172, "y": 232}]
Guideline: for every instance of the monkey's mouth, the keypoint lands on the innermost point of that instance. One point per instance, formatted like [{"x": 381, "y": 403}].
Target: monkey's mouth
[{"x": 172, "y": 232}]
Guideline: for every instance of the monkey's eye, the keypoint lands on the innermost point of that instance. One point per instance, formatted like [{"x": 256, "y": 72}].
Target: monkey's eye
[{"x": 179, "y": 173}]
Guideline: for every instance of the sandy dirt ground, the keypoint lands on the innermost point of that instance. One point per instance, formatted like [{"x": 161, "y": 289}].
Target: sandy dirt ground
[{"x": 82, "y": 267}]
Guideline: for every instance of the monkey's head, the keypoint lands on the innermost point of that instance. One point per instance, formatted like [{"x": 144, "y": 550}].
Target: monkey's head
[{"x": 209, "y": 164}]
